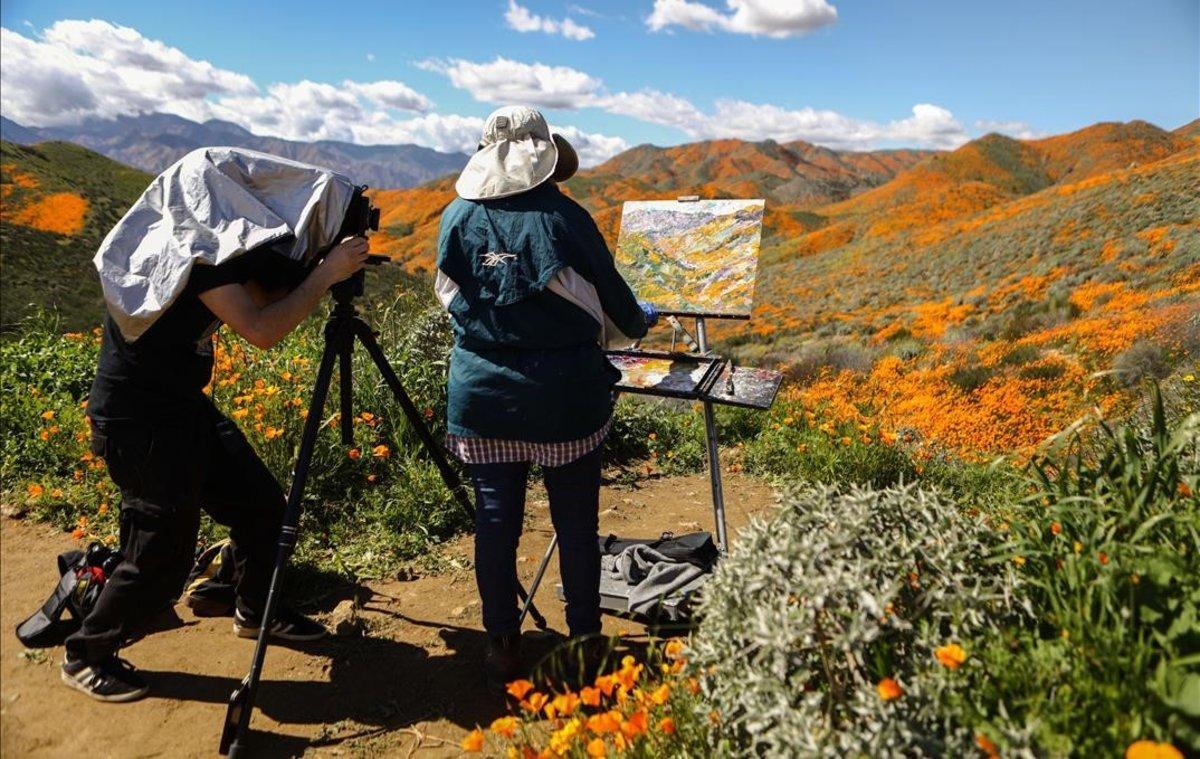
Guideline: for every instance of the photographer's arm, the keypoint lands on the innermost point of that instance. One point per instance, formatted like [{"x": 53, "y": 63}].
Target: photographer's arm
[{"x": 265, "y": 325}]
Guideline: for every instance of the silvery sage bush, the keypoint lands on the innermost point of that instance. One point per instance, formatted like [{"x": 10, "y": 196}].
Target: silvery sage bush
[{"x": 816, "y": 609}]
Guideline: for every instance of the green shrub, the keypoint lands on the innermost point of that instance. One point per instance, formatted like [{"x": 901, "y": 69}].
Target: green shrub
[
  {"x": 812, "y": 609},
  {"x": 1144, "y": 360},
  {"x": 1110, "y": 543}
]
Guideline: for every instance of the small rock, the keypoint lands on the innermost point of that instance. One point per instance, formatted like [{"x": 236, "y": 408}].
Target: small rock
[{"x": 344, "y": 619}]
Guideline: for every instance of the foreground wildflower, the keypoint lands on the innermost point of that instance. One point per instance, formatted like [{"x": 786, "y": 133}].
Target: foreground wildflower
[
  {"x": 519, "y": 688},
  {"x": 888, "y": 689},
  {"x": 473, "y": 742},
  {"x": 1152, "y": 750},
  {"x": 505, "y": 726},
  {"x": 986, "y": 746},
  {"x": 950, "y": 656}
]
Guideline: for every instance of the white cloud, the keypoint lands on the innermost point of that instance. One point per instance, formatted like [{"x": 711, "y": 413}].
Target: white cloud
[
  {"x": 930, "y": 126},
  {"x": 592, "y": 148},
  {"x": 769, "y": 18},
  {"x": 83, "y": 69},
  {"x": 94, "y": 69},
  {"x": 508, "y": 81},
  {"x": 1018, "y": 129},
  {"x": 523, "y": 20},
  {"x": 656, "y": 108}
]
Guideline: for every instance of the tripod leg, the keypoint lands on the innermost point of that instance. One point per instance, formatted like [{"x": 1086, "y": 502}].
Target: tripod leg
[
  {"x": 346, "y": 393},
  {"x": 432, "y": 446},
  {"x": 449, "y": 476},
  {"x": 241, "y": 702}
]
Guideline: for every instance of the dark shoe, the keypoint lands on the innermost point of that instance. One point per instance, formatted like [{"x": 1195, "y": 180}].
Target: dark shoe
[
  {"x": 287, "y": 625},
  {"x": 503, "y": 663},
  {"x": 113, "y": 680},
  {"x": 579, "y": 660}
]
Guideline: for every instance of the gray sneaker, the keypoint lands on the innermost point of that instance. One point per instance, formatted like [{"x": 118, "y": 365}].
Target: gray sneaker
[{"x": 113, "y": 680}]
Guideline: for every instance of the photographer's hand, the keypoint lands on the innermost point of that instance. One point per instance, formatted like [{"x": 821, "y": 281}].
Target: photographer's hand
[
  {"x": 265, "y": 325},
  {"x": 346, "y": 259}
]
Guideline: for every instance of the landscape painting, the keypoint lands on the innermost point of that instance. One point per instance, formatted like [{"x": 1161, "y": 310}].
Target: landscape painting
[{"x": 696, "y": 257}]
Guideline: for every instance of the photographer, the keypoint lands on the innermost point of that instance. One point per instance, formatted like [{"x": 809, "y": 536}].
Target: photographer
[
  {"x": 172, "y": 453},
  {"x": 533, "y": 293}
]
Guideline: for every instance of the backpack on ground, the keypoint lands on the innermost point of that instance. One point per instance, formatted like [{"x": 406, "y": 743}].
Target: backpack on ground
[{"x": 82, "y": 575}]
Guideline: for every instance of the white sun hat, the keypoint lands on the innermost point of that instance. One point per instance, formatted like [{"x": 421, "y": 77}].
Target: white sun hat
[{"x": 516, "y": 153}]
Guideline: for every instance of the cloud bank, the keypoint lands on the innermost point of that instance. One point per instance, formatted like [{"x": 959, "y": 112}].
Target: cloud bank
[
  {"x": 504, "y": 80},
  {"x": 80, "y": 70}
]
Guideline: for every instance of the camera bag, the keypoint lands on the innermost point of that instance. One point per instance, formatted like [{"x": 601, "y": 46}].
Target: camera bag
[{"x": 82, "y": 575}]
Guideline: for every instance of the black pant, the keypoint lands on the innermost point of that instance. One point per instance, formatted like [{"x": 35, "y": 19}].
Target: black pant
[{"x": 167, "y": 472}]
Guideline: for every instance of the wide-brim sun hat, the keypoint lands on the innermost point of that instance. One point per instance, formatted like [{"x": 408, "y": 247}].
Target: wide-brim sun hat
[{"x": 516, "y": 153}]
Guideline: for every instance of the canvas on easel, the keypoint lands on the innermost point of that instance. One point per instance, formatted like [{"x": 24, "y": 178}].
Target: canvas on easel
[{"x": 692, "y": 257}]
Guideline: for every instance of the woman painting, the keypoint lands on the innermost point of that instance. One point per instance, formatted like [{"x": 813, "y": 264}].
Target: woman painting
[{"x": 533, "y": 294}]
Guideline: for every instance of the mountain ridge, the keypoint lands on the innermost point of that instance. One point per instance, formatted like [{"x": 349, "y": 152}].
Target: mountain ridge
[{"x": 152, "y": 142}]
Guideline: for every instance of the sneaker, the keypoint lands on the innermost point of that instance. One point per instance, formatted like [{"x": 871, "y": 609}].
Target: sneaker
[
  {"x": 287, "y": 625},
  {"x": 113, "y": 680},
  {"x": 503, "y": 664}
]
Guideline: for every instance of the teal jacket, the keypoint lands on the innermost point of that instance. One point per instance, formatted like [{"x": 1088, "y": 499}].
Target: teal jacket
[{"x": 527, "y": 362}]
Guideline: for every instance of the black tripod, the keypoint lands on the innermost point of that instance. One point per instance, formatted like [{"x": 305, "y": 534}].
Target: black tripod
[{"x": 342, "y": 328}]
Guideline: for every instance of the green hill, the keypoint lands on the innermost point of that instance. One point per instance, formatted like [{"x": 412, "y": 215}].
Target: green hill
[{"x": 58, "y": 202}]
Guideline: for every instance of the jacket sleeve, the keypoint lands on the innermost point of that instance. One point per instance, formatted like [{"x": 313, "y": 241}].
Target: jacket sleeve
[{"x": 617, "y": 300}]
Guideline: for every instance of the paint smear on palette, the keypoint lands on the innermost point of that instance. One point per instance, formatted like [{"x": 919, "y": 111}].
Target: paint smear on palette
[
  {"x": 750, "y": 387},
  {"x": 669, "y": 376},
  {"x": 694, "y": 258}
]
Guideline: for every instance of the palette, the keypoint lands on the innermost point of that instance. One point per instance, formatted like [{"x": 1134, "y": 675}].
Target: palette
[
  {"x": 750, "y": 388},
  {"x": 673, "y": 375}
]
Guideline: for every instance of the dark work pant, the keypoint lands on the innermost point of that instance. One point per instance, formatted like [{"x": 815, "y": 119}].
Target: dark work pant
[
  {"x": 166, "y": 474},
  {"x": 574, "y": 491}
]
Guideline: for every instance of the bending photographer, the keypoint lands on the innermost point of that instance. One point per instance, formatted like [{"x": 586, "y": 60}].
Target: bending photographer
[
  {"x": 533, "y": 293},
  {"x": 198, "y": 250}
]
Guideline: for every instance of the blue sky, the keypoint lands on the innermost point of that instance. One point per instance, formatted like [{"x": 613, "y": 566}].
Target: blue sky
[{"x": 838, "y": 72}]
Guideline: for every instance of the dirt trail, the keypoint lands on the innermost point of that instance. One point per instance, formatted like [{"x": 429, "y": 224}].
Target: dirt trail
[{"x": 409, "y": 684}]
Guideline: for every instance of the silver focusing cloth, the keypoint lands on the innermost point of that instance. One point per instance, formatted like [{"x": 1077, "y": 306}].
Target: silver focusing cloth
[{"x": 211, "y": 206}]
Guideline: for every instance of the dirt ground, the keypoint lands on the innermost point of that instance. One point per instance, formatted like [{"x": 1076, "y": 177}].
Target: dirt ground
[{"x": 410, "y": 684}]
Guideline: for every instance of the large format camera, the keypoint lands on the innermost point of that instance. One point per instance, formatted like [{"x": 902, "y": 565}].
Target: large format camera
[{"x": 361, "y": 217}]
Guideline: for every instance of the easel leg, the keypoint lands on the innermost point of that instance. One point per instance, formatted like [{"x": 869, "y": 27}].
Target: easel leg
[
  {"x": 714, "y": 460},
  {"x": 528, "y": 607}
]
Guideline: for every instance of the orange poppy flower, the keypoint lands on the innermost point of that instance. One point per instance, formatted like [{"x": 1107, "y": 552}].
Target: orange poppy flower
[
  {"x": 590, "y": 696},
  {"x": 986, "y": 746},
  {"x": 596, "y": 748},
  {"x": 473, "y": 742},
  {"x": 1152, "y": 750},
  {"x": 519, "y": 688},
  {"x": 505, "y": 726},
  {"x": 888, "y": 689},
  {"x": 950, "y": 656}
]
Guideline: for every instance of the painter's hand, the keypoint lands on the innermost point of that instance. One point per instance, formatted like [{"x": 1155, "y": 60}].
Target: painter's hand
[
  {"x": 346, "y": 259},
  {"x": 650, "y": 312}
]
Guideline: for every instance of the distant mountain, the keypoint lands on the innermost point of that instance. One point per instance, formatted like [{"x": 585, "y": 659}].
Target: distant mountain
[
  {"x": 152, "y": 142},
  {"x": 791, "y": 176},
  {"x": 59, "y": 200}
]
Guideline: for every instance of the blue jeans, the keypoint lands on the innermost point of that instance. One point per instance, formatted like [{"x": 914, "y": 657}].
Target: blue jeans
[{"x": 574, "y": 491}]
